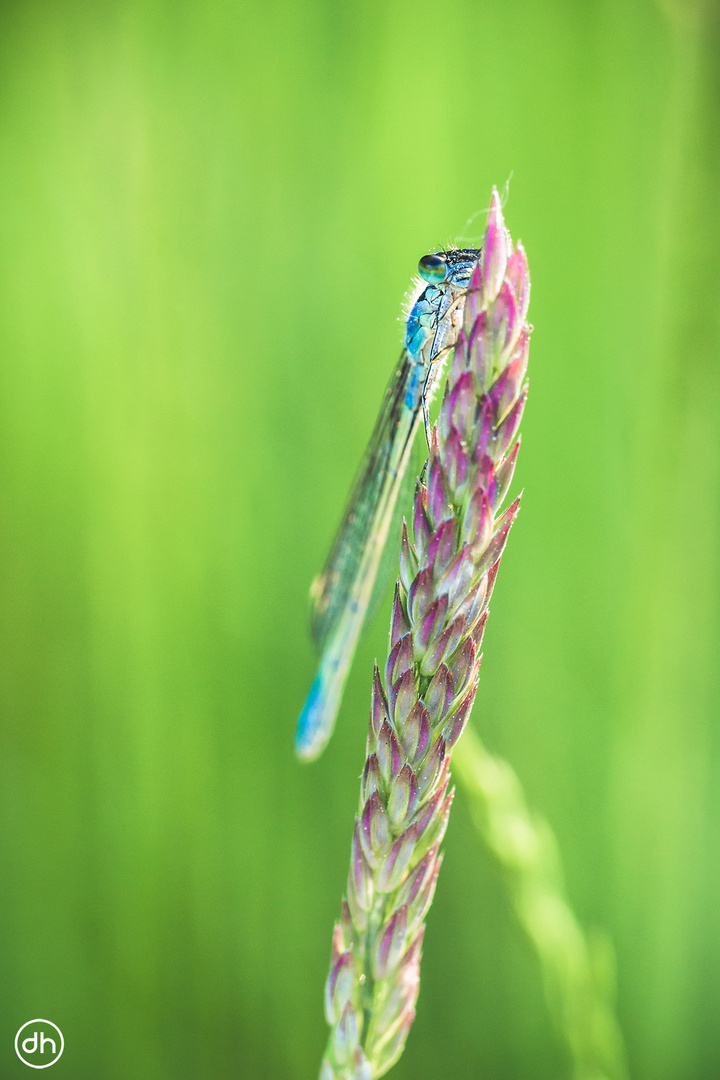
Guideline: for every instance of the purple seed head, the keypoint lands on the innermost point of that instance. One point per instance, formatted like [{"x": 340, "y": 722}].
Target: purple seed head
[{"x": 449, "y": 560}]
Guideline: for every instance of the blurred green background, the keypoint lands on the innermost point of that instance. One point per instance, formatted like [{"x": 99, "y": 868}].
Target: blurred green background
[{"x": 209, "y": 215}]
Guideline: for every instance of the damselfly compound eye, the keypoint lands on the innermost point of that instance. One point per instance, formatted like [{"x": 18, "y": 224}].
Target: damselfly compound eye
[{"x": 433, "y": 268}]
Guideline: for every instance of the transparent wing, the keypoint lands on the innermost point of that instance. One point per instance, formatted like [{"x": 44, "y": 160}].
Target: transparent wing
[
  {"x": 379, "y": 476},
  {"x": 342, "y": 593}
]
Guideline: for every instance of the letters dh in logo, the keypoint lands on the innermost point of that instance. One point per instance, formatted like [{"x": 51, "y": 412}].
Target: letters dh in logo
[{"x": 39, "y": 1043}]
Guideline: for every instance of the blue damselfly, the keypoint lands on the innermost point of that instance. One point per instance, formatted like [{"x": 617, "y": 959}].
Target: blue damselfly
[{"x": 341, "y": 594}]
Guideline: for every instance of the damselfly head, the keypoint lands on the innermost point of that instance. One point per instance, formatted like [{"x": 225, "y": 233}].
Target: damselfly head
[{"x": 433, "y": 268}]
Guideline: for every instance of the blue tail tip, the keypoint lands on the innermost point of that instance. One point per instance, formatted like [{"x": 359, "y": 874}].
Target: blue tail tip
[{"x": 310, "y": 736}]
